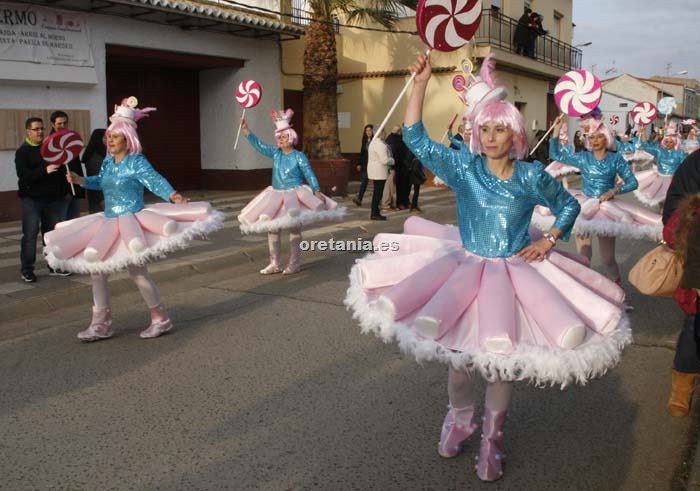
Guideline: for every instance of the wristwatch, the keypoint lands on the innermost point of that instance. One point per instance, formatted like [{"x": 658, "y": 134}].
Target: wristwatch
[{"x": 550, "y": 238}]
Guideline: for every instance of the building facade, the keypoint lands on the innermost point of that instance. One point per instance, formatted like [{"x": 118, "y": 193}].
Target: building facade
[
  {"x": 373, "y": 68},
  {"x": 184, "y": 57}
]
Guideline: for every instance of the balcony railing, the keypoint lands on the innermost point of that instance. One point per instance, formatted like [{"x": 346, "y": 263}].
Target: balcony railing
[{"x": 498, "y": 30}]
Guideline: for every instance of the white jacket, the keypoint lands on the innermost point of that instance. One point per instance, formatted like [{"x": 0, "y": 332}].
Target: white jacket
[{"x": 378, "y": 160}]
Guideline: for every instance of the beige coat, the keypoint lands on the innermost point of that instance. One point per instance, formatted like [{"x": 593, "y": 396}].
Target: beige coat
[{"x": 378, "y": 160}]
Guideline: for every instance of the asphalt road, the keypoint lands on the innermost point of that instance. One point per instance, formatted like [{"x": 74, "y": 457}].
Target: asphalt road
[{"x": 267, "y": 383}]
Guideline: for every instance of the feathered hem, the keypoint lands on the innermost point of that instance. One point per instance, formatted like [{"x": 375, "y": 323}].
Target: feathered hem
[{"x": 289, "y": 222}]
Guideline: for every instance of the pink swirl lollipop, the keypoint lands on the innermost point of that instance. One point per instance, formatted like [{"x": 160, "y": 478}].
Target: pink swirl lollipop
[
  {"x": 61, "y": 147},
  {"x": 447, "y": 25},
  {"x": 644, "y": 113},
  {"x": 248, "y": 93},
  {"x": 578, "y": 92},
  {"x": 459, "y": 83}
]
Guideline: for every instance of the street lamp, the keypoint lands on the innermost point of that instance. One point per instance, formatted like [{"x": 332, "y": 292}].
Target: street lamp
[{"x": 587, "y": 43}]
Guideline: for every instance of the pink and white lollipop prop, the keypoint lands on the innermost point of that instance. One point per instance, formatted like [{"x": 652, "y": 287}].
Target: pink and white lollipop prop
[
  {"x": 61, "y": 148},
  {"x": 248, "y": 94},
  {"x": 444, "y": 25},
  {"x": 459, "y": 83},
  {"x": 644, "y": 113},
  {"x": 578, "y": 92}
]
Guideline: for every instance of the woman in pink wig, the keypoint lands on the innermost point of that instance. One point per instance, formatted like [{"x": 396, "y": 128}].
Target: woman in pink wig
[
  {"x": 288, "y": 204},
  {"x": 128, "y": 234},
  {"x": 484, "y": 297},
  {"x": 604, "y": 175},
  {"x": 654, "y": 182}
]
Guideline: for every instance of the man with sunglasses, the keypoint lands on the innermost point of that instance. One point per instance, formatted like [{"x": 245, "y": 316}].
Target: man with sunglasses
[{"x": 41, "y": 189}]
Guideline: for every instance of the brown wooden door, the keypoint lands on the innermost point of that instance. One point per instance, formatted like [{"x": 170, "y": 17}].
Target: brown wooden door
[{"x": 170, "y": 136}]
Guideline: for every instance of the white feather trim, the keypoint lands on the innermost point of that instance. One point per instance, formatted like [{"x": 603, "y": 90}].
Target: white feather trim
[
  {"x": 538, "y": 365},
  {"x": 174, "y": 242},
  {"x": 646, "y": 200},
  {"x": 603, "y": 227},
  {"x": 284, "y": 223}
]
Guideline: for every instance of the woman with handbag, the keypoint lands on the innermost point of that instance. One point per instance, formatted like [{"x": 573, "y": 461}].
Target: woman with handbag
[{"x": 682, "y": 233}]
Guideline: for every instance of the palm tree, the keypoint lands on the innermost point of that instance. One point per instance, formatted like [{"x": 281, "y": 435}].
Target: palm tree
[{"x": 321, "y": 66}]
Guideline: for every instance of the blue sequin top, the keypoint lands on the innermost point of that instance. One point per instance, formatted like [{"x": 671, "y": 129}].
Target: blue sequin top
[
  {"x": 628, "y": 147},
  {"x": 122, "y": 184},
  {"x": 667, "y": 161},
  {"x": 493, "y": 214},
  {"x": 288, "y": 170},
  {"x": 598, "y": 176}
]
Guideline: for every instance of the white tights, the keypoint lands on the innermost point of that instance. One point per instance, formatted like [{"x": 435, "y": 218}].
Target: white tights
[
  {"x": 461, "y": 386},
  {"x": 148, "y": 289},
  {"x": 584, "y": 244}
]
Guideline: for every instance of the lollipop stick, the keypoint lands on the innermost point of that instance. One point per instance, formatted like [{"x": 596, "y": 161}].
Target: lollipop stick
[
  {"x": 545, "y": 135},
  {"x": 240, "y": 123},
  {"x": 72, "y": 189},
  {"x": 449, "y": 127},
  {"x": 396, "y": 102}
]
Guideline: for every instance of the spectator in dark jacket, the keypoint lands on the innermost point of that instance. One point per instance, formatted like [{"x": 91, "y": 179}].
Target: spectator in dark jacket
[
  {"x": 41, "y": 188},
  {"x": 93, "y": 156}
]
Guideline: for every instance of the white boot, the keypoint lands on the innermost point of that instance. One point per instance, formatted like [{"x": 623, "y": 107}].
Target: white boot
[{"x": 273, "y": 244}]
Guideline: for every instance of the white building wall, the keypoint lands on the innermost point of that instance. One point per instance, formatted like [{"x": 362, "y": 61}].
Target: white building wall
[{"x": 219, "y": 112}]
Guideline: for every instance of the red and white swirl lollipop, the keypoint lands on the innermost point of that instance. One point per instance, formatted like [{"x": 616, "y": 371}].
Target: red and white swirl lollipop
[
  {"x": 248, "y": 94},
  {"x": 578, "y": 92},
  {"x": 62, "y": 147},
  {"x": 446, "y": 25},
  {"x": 644, "y": 113},
  {"x": 614, "y": 120}
]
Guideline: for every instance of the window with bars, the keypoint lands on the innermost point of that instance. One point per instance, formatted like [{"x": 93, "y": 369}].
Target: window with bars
[{"x": 301, "y": 12}]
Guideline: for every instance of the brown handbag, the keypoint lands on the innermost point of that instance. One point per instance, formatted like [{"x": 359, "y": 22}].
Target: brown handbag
[{"x": 658, "y": 273}]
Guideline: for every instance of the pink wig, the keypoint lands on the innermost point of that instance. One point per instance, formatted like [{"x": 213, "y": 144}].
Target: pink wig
[
  {"x": 133, "y": 145},
  {"x": 505, "y": 113},
  {"x": 599, "y": 127},
  {"x": 293, "y": 137},
  {"x": 676, "y": 141}
]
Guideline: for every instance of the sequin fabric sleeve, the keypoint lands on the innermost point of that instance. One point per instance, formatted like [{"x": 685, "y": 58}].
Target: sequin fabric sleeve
[
  {"x": 308, "y": 172},
  {"x": 554, "y": 196},
  {"x": 94, "y": 183},
  {"x": 556, "y": 153},
  {"x": 652, "y": 149},
  {"x": 263, "y": 148},
  {"x": 149, "y": 177},
  {"x": 449, "y": 165},
  {"x": 625, "y": 172}
]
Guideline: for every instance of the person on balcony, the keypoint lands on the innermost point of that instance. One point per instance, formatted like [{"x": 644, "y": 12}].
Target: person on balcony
[{"x": 522, "y": 33}]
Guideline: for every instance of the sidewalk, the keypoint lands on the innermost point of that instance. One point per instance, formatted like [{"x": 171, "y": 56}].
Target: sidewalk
[{"x": 225, "y": 248}]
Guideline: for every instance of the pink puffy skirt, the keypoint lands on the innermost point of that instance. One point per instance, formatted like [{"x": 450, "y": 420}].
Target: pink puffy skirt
[
  {"x": 97, "y": 244},
  {"x": 653, "y": 186},
  {"x": 552, "y": 322},
  {"x": 613, "y": 218},
  {"x": 274, "y": 210},
  {"x": 558, "y": 169}
]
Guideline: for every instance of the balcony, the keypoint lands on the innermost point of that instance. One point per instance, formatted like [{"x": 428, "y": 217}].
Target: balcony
[{"x": 498, "y": 30}]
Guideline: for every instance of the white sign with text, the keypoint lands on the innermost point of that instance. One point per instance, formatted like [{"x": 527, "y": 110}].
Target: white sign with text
[{"x": 42, "y": 35}]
